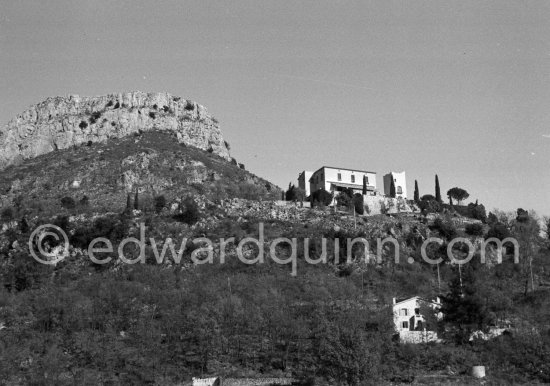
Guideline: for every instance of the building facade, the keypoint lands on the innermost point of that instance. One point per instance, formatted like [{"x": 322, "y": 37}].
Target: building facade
[
  {"x": 400, "y": 182},
  {"x": 410, "y": 321},
  {"x": 334, "y": 180},
  {"x": 303, "y": 181}
]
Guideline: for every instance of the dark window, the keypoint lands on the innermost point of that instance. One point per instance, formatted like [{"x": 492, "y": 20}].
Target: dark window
[
  {"x": 399, "y": 190},
  {"x": 352, "y": 178},
  {"x": 339, "y": 176}
]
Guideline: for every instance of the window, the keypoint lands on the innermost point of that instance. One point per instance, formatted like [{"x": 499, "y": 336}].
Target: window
[
  {"x": 403, "y": 312},
  {"x": 399, "y": 190},
  {"x": 404, "y": 324},
  {"x": 417, "y": 311},
  {"x": 339, "y": 176},
  {"x": 352, "y": 178}
]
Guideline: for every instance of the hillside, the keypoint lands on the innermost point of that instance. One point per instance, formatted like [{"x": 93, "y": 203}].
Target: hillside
[
  {"x": 102, "y": 174},
  {"x": 229, "y": 313}
]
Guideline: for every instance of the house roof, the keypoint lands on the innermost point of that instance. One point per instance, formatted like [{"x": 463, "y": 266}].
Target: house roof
[
  {"x": 352, "y": 170},
  {"x": 416, "y": 298}
]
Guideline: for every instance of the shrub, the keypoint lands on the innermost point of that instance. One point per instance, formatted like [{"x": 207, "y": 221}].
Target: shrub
[
  {"x": 498, "y": 230},
  {"x": 89, "y": 143},
  {"x": 68, "y": 202},
  {"x": 189, "y": 106},
  {"x": 152, "y": 115},
  {"x": 109, "y": 104},
  {"x": 445, "y": 228},
  {"x": 477, "y": 211},
  {"x": 227, "y": 146},
  {"x": 241, "y": 166},
  {"x": 83, "y": 124},
  {"x": 84, "y": 201},
  {"x": 344, "y": 199},
  {"x": 117, "y": 105},
  {"x": 160, "y": 203},
  {"x": 358, "y": 203},
  {"x": 155, "y": 106},
  {"x": 7, "y": 214},
  {"x": 321, "y": 198},
  {"x": 474, "y": 229},
  {"x": 189, "y": 212}
]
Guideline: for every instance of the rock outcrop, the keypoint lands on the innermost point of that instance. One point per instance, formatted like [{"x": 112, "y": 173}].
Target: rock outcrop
[{"x": 62, "y": 122}]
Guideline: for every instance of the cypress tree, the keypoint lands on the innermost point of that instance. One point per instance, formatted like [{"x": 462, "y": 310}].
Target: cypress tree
[
  {"x": 128, "y": 202},
  {"x": 437, "y": 190},
  {"x": 416, "y": 192},
  {"x": 364, "y": 185},
  {"x": 136, "y": 201},
  {"x": 392, "y": 189}
]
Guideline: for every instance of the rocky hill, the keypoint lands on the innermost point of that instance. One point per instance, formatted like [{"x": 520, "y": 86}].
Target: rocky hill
[{"x": 62, "y": 122}]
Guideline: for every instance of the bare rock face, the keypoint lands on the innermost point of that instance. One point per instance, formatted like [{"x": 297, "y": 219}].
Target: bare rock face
[{"x": 62, "y": 122}]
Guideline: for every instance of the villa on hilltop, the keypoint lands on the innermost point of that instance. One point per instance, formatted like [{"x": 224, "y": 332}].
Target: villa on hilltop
[{"x": 336, "y": 179}]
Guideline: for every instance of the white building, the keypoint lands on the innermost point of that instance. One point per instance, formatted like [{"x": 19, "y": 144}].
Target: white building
[
  {"x": 410, "y": 322},
  {"x": 400, "y": 182},
  {"x": 303, "y": 181},
  {"x": 335, "y": 180}
]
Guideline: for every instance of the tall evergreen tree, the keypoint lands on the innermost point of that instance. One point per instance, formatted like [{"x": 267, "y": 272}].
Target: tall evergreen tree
[
  {"x": 392, "y": 188},
  {"x": 136, "y": 201},
  {"x": 437, "y": 189},
  {"x": 416, "y": 192},
  {"x": 364, "y": 185},
  {"x": 128, "y": 202}
]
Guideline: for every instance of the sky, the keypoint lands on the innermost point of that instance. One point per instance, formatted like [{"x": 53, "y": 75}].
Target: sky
[{"x": 455, "y": 88}]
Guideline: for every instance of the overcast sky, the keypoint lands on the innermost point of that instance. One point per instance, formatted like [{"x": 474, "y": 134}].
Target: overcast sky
[{"x": 460, "y": 88}]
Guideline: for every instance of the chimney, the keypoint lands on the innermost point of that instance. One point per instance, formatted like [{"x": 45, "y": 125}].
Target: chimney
[{"x": 394, "y": 301}]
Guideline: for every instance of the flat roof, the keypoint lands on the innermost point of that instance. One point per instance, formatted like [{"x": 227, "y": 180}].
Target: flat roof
[{"x": 351, "y": 170}]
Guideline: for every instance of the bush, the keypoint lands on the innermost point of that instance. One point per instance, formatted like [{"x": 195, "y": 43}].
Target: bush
[
  {"x": 189, "y": 212},
  {"x": 160, "y": 203},
  {"x": 83, "y": 124},
  {"x": 109, "y": 104},
  {"x": 84, "y": 201},
  {"x": 241, "y": 166},
  {"x": 498, "y": 230},
  {"x": 117, "y": 105},
  {"x": 189, "y": 106},
  {"x": 321, "y": 198},
  {"x": 477, "y": 211},
  {"x": 445, "y": 228},
  {"x": 474, "y": 229},
  {"x": 358, "y": 203},
  {"x": 7, "y": 214},
  {"x": 152, "y": 115},
  {"x": 68, "y": 202}
]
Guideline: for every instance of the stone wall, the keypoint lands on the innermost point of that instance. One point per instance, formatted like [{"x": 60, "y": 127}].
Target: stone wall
[
  {"x": 62, "y": 122},
  {"x": 417, "y": 336}
]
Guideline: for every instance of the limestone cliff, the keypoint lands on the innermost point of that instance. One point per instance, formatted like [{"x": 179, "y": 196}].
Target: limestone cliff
[{"x": 62, "y": 122}]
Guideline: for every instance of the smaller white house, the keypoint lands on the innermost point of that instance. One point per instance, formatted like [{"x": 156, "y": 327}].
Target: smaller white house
[
  {"x": 215, "y": 381},
  {"x": 399, "y": 181},
  {"x": 410, "y": 321}
]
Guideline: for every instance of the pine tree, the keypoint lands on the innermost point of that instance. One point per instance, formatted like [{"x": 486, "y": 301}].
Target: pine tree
[
  {"x": 392, "y": 188},
  {"x": 364, "y": 185},
  {"x": 437, "y": 189},
  {"x": 136, "y": 201},
  {"x": 416, "y": 192}
]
